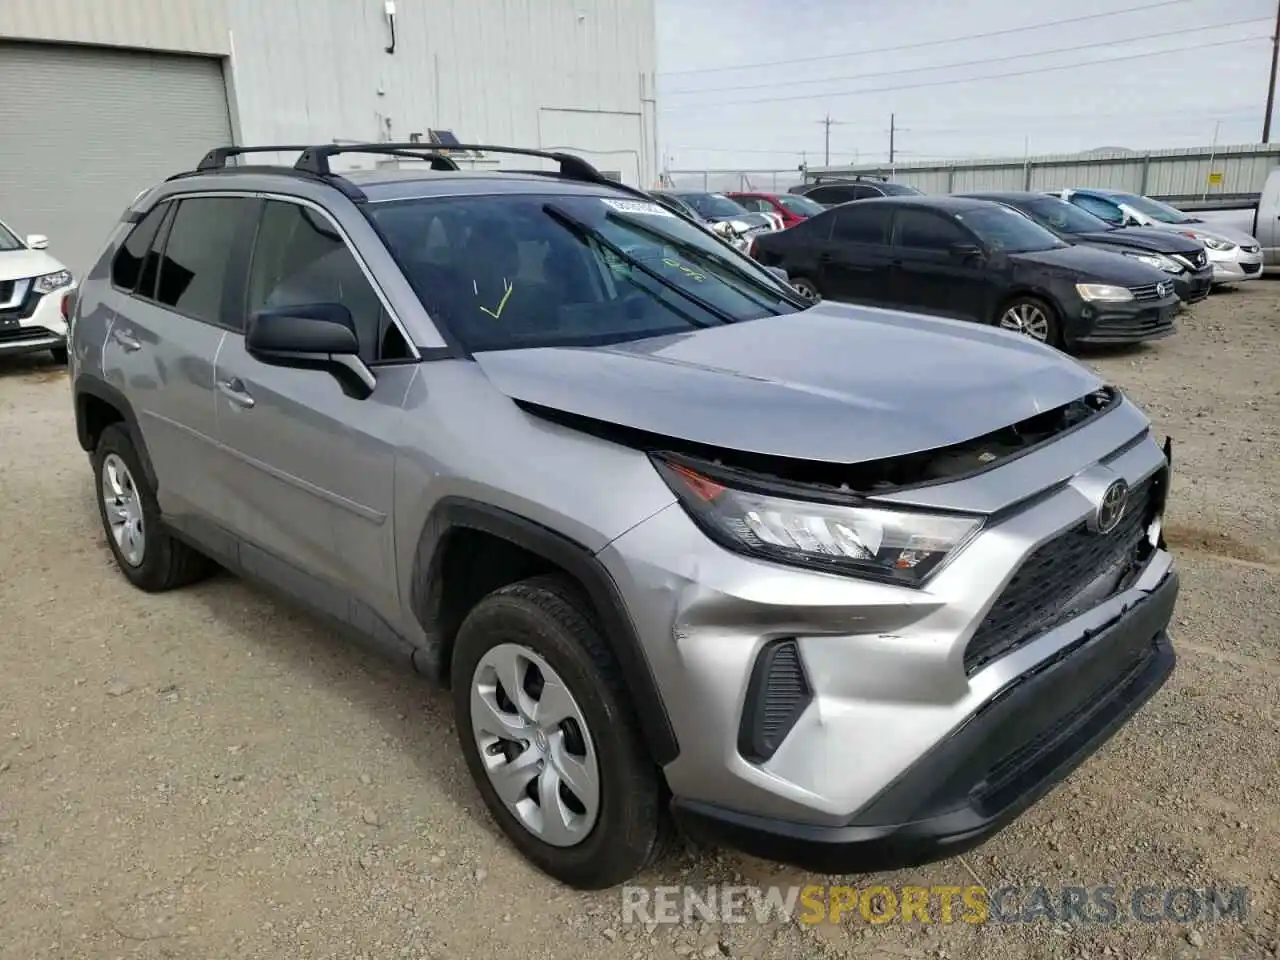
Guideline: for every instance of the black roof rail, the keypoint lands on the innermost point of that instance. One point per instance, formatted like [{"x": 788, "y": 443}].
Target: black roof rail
[
  {"x": 316, "y": 159},
  {"x": 216, "y": 159}
]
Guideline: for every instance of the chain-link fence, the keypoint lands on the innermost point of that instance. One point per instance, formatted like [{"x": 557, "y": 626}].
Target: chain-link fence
[{"x": 718, "y": 181}]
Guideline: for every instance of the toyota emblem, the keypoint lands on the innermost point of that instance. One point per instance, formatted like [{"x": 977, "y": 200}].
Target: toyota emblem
[{"x": 1111, "y": 508}]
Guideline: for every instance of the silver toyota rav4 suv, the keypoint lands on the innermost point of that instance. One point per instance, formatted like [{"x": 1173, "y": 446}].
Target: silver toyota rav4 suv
[{"x": 842, "y": 587}]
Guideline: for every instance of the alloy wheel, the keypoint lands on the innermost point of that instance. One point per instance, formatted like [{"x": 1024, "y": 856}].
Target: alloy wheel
[
  {"x": 806, "y": 290},
  {"x": 123, "y": 510},
  {"x": 534, "y": 745},
  {"x": 1026, "y": 318}
]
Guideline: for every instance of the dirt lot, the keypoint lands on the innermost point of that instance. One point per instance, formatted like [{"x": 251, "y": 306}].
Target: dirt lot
[{"x": 209, "y": 774}]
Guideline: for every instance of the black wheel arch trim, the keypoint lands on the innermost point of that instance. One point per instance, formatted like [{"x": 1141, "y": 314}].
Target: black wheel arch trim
[
  {"x": 618, "y": 629},
  {"x": 90, "y": 386}
]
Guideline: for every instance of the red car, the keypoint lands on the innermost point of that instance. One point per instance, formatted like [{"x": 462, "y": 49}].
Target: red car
[{"x": 790, "y": 206}]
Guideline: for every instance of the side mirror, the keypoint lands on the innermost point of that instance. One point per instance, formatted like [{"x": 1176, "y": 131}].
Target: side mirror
[
  {"x": 781, "y": 274},
  {"x": 722, "y": 228},
  {"x": 37, "y": 241},
  {"x": 1131, "y": 221},
  {"x": 311, "y": 335},
  {"x": 966, "y": 251}
]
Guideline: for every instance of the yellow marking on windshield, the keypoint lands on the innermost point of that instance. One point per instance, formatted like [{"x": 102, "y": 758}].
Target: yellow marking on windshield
[
  {"x": 497, "y": 312},
  {"x": 684, "y": 268}
]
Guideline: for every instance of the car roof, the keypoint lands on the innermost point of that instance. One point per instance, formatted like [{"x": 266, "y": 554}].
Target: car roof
[
  {"x": 950, "y": 202},
  {"x": 1003, "y": 196}
]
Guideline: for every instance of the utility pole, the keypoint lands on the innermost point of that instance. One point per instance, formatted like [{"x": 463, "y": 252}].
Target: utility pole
[
  {"x": 828, "y": 123},
  {"x": 1271, "y": 82},
  {"x": 893, "y": 128}
]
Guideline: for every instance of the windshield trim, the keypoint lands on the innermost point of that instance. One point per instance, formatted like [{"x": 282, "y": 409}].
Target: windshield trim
[{"x": 1154, "y": 208}]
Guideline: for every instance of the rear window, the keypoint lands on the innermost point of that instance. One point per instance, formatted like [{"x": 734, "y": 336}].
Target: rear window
[{"x": 509, "y": 272}]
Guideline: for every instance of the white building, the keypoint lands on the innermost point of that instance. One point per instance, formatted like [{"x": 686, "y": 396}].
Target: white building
[{"x": 101, "y": 98}]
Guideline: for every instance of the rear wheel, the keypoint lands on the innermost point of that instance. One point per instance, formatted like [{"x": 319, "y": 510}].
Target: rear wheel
[
  {"x": 806, "y": 288},
  {"x": 1031, "y": 317}
]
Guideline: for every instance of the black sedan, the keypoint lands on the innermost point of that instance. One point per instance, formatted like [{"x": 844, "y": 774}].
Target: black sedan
[
  {"x": 1182, "y": 258},
  {"x": 972, "y": 260}
]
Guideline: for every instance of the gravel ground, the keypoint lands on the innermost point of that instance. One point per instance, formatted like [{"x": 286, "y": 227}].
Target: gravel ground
[{"x": 210, "y": 774}]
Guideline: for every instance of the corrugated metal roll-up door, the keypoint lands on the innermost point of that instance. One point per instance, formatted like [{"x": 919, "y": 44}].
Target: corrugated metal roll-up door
[{"x": 84, "y": 129}]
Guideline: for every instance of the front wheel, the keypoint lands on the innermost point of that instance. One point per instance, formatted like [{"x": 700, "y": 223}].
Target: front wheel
[
  {"x": 1031, "y": 317},
  {"x": 550, "y": 737}
]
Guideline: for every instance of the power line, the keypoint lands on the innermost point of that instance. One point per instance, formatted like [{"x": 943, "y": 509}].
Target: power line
[
  {"x": 972, "y": 63},
  {"x": 928, "y": 43},
  {"x": 1127, "y": 58}
]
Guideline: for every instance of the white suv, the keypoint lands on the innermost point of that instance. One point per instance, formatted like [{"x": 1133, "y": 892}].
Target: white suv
[{"x": 34, "y": 289}]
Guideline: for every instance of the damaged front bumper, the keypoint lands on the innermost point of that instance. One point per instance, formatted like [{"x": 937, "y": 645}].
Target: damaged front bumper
[{"x": 878, "y": 682}]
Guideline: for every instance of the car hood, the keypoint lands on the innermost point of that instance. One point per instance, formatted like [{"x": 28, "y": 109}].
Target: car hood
[
  {"x": 17, "y": 264},
  {"x": 751, "y": 219},
  {"x": 1142, "y": 238},
  {"x": 833, "y": 383},
  {"x": 1090, "y": 264},
  {"x": 1238, "y": 237}
]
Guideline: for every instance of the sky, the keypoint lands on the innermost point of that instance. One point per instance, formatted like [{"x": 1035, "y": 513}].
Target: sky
[{"x": 746, "y": 84}]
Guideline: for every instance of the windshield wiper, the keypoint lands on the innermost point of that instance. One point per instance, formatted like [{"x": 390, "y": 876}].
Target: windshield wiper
[
  {"x": 775, "y": 293},
  {"x": 585, "y": 232}
]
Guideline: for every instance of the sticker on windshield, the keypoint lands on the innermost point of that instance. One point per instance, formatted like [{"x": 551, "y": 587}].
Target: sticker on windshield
[{"x": 638, "y": 206}]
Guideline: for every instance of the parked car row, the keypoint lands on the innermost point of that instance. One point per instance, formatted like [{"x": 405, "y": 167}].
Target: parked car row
[
  {"x": 33, "y": 297},
  {"x": 842, "y": 587}
]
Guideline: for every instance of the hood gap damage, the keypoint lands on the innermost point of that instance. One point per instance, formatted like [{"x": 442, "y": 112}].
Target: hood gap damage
[{"x": 874, "y": 477}]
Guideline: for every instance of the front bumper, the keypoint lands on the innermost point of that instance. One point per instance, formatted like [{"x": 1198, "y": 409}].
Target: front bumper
[
  {"x": 1193, "y": 287},
  {"x": 1028, "y": 738},
  {"x": 1133, "y": 322},
  {"x": 891, "y": 671},
  {"x": 33, "y": 323},
  {"x": 1235, "y": 266}
]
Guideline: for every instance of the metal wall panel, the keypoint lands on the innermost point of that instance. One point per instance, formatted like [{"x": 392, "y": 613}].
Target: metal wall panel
[
  {"x": 489, "y": 70},
  {"x": 120, "y": 120},
  {"x": 185, "y": 26}
]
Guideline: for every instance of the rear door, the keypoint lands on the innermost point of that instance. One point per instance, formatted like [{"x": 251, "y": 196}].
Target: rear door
[
  {"x": 310, "y": 466},
  {"x": 855, "y": 264},
  {"x": 927, "y": 274},
  {"x": 170, "y": 276}
]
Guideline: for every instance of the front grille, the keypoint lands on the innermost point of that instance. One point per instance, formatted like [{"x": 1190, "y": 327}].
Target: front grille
[
  {"x": 1197, "y": 260},
  {"x": 1040, "y": 594},
  {"x": 22, "y": 334},
  {"x": 1250, "y": 267},
  {"x": 1152, "y": 291},
  {"x": 1250, "y": 247},
  {"x": 6, "y": 291},
  {"x": 777, "y": 694},
  {"x": 1147, "y": 325}
]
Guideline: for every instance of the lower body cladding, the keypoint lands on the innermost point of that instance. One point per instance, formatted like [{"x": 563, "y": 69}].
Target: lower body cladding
[
  {"x": 1193, "y": 287},
  {"x": 844, "y": 725},
  {"x": 1134, "y": 321},
  {"x": 30, "y": 321},
  {"x": 1235, "y": 266}
]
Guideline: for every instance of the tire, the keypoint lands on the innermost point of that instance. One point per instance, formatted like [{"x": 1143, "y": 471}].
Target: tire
[
  {"x": 163, "y": 562},
  {"x": 807, "y": 289},
  {"x": 547, "y": 618},
  {"x": 59, "y": 355},
  {"x": 1029, "y": 308}
]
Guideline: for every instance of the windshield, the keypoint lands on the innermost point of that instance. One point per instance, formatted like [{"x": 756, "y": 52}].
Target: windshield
[
  {"x": 1154, "y": 208},
  {"x": 1063, "y": 217},
  {"x": 800, "y": 206},
  {"x": 899, "y": 190},
  {"x": 713, "y": 204},
  {"x": 535, "y": 271},
  {"x": 1007, "y": 231},
  {"x": 8, "y": 241}
]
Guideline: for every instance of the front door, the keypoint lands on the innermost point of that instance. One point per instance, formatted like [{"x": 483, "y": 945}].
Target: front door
[
  {"x": 311, "y": 467},
  {"x": 929, "y": 275}
]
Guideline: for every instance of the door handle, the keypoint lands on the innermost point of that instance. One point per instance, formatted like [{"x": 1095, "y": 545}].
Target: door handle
[
  {"x": 127, "y": 341},
  {"x": 234, "y": 391}
]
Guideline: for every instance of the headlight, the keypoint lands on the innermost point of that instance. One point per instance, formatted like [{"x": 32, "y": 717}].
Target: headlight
[
  {"x": 53, "y": 281},
  {"x": 1103, "y": 292},
  {"x": 900, "y": 546},
  {"x": 1158, "y": 260},
  {"x": 1213, "y": 243}
]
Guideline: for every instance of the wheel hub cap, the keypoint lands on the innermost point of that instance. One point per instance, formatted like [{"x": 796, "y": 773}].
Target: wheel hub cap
[
  {"x": 123, "y": 508},
  {"x": 533, "y": 741},
  {"x": 1027, "y": 319}
]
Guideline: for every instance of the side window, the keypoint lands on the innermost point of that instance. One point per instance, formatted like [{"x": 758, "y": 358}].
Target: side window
[
  {"x": 832, "y": 195},
  {"x": 754, "y": 204},
  {"x": 1101, "y": 209},
  {"x": 193, "y": 269},
  {"x": 299, "y": 258},
  {"x": 863, "y": 223},
  {"x": 921, "y": 230},
  {"x": 863, "y": 192},
  {"x": 126, "y": 268}
]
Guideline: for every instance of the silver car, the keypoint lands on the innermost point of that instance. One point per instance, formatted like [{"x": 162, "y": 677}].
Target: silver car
[
  {"x": 1236, "y": 256},
  {"x": 844, "y": 587}
]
